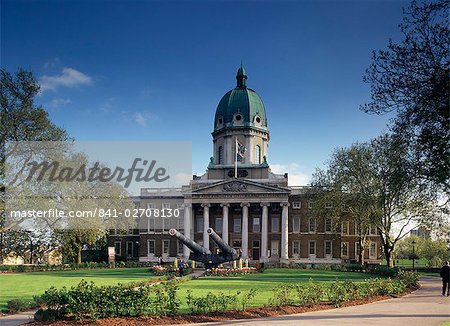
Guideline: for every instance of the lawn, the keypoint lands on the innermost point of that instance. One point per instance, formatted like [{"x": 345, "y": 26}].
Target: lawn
[
  {"x": 263, "y": 282},
  {"x": 25, "y": 285}
]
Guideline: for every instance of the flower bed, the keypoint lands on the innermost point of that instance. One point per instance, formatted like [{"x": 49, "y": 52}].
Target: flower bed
[
  {"x": 168, "y": 270},
  {"x": 229, "y": 271}
]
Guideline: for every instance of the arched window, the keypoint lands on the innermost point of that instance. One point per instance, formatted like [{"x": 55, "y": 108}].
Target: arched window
[
  {"x": 220, "y": 155},
  {"x": 258, "y": 154}
]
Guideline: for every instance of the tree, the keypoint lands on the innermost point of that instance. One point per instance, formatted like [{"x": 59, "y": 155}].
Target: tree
[
  {"x": 434, "y": 251},
  {"x": 412, "y": 78},
  {"x": 337, "y": 197},
  {"x": 20, "y": 120},
  {"x": 381, "y": 188}
]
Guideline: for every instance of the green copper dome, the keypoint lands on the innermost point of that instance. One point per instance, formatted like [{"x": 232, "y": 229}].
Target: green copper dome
[{"x": 240, "y": 107}]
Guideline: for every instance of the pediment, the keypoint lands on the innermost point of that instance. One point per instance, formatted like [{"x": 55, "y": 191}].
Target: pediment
[{"x": 241, "y": 186}]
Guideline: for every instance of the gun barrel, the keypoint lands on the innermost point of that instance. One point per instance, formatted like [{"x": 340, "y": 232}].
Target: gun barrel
[
  {"x": 222, "y": 245},
  {"x": 195, "y": 247}
]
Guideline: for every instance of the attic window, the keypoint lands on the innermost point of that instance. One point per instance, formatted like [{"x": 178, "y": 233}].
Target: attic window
[
  {"x": 258, "y": 119},
  {"x": 238, "y": 117},
  {"x": 220, "y": 120}
]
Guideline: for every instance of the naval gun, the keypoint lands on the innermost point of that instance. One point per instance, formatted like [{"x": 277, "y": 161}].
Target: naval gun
[{"x": 203, "y": 255}]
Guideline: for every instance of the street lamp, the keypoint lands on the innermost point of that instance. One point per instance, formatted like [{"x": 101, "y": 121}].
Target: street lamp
[{"x": 414, "y": 254}]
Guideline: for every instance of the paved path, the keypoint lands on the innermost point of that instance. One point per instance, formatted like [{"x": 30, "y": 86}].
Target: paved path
[
  {"x": 423, "y": 307},
  {"x": 17, "y": 319}
]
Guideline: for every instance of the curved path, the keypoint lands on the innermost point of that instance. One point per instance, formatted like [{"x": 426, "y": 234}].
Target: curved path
[{"x": 425, "y": 306}]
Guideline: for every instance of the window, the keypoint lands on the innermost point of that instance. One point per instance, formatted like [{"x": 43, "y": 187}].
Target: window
[
  {"x": 327, "y": 224},
  {"x": 118, "y": 248},
  {"x": 151, "y": 205},
  {"x": 373, "y": 250},
  {"x": 151, "y": 225},
  {"x": 373, "y": 230},
  {"x": 258, "y": 154},
  {"x": 129, "y": 246},
  {"x": 165, "y": 224},
  {"x": 297, "y": 204},
  {"x": 312, "y": 247},
  {"x": 344, "y": 249},
  {"x": 180, "y": 248},
  {"x": 220, "y": 155},
  {"x": 312, "y": 224},
  {"x": 256, "y": 225},
  {"x": 296, "y": 225},
  {"x": 219, "y": 224},
  {"x": 275, "y": 226},
  {"x": 296, "y": 248},
  {"x": 166, "y": 206},
  {"x": 151, "y": 247},
  {"x": 180, "y": 206},
  {"x": 344, "y": 228},
  {"x": 310, "y": 204},
  {"x": 165, "y": 244},
  {"x": 199, "y": 224},
  {"x": 274, "y": 247},
  {"x": 328, "y": 248},
  {"x": 237, "y": 225}
]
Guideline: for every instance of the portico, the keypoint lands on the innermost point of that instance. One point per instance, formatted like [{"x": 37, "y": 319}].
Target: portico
[{"x": 239, "y": 210}]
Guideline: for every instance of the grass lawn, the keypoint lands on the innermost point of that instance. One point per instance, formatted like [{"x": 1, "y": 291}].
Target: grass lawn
[
  {"x": 25, "y": 285},
  {"x": 263, "y": 282},
  {"x": 409, "y": 263}
]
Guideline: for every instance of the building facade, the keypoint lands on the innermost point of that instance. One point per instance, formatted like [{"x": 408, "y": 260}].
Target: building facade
[{"x": 250, "y": 207}]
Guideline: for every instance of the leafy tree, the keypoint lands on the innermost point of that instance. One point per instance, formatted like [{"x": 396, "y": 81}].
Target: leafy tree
[
  {"x": 434, "y": 251},
  {"x": 380, "y": 189},
  {"x": 337, "y": 197},
  {"x": 20, "y": 120},
  {"x": 412, "y": 78}
]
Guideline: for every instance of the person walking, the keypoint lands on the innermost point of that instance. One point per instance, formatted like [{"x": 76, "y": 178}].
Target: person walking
[
  {"x": 445, "y": 274},
  {"x": 181, "y": 268}
]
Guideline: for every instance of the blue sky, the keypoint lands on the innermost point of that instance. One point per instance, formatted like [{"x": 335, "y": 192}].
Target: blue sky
[{"x": 154, "y": 70}]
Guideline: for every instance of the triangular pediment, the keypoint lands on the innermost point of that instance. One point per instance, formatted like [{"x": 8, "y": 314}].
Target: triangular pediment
[{"x": 233, "y": 186}]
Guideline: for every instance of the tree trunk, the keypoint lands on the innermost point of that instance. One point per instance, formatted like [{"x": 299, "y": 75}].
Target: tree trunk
[
  {"x": 79, "y": 255},
  {"x": 387, "y": 255}
]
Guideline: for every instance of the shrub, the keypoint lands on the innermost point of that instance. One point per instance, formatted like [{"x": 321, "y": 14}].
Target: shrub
[
  {"x": 353, "y": 290},
  {"x": 211, "y": 302},
  {"x": 310, "y": 293},
  {"x": 17, "y": 305},
  {"x": 281, "y": 296},
  {"x": 410, "y": 279},
  {"x": 337, "y": 293},
  {"x": 247, "y": 297}
]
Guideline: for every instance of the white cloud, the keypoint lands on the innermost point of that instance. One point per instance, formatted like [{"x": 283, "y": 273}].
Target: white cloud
[
  {"x": 59, "y": 102},
  {"x": 69, "y": 77},
  {"x": 295, "y": 176},
  {"x": 180, "y": 179},
  {"x": 141, "y": 118}
]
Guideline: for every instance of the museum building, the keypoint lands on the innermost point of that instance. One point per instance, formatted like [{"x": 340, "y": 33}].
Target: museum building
[{"x": 251, "y": 208}]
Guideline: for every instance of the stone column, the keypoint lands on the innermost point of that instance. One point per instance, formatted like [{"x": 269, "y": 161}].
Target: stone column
[
  {"x": 225, "y": 222},
  {"x": 284, "y": 233},
  {"x": 245, "y": 230},
  {"x": 264, "y": 231},
  {"x": 187, "y": 228},
  {"x": 206, "y": 225}
]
